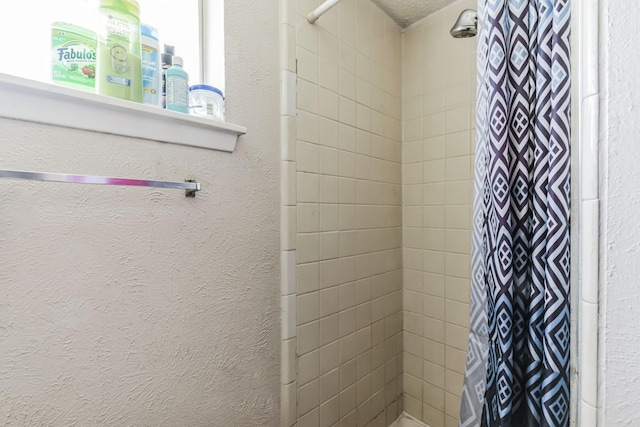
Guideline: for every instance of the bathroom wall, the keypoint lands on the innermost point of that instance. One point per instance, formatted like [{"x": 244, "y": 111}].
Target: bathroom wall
[
  {"x": 133, "y": 306},
  {"x": 341, "y": 216},
  {"x": 619, "y": 390},
  {"x": 439, "y": 83}
]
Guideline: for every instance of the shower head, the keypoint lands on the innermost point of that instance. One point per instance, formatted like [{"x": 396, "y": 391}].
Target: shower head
[{"x": 466, "y": 25}]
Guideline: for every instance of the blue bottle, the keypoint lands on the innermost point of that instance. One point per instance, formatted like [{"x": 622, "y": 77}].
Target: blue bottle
[
  {"x": 177, "y": 87},
  {"x": 151, "y": 66}
]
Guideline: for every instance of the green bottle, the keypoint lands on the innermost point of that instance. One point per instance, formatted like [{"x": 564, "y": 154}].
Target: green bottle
[{"x": 118, "y": 63}]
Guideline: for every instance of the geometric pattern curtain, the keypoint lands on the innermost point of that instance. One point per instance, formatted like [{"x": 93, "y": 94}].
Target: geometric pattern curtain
[{"x": 517, "y": 371}]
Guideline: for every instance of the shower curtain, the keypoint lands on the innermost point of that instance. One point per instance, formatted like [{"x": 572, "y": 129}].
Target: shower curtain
[{"x": 517, "y": 371}]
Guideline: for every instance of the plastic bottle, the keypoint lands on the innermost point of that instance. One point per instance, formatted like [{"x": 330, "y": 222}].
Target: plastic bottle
[
  {"x": 206, "y": 100},
  {"x": 166, "y": 56},
  {"x": 177, "y": 87},
  {"x": 73, "y": 56},
  {"x": 118, "y": 63},
  {"x": 151, "y": 67}
]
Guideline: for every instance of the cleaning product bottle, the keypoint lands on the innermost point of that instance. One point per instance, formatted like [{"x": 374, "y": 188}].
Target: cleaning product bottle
[
  {"x": 166, "y": 56},
  {"x": 177, "y": 87},
  {"x": 118, "y": 63},
  {"x": 73, "y": 56},
  {"x": 151, "y": 67}
]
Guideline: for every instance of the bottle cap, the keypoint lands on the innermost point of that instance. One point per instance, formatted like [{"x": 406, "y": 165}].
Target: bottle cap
[
  {"x": 149, "y": 31},
  {"x": 129, "y": 6},
  {"x": 177, "y": 60},
  {"x": 207, "y": 87},
  {"x": 169, "y": 48}
]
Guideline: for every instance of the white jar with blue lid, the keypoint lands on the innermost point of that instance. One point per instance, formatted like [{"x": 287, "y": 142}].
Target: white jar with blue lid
[{"x": 205, "y": 100}]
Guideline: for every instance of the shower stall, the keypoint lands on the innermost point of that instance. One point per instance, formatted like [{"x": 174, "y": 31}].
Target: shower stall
[
  {"x": 377, "y": 158},
  {"x": 378, "y": 149}
]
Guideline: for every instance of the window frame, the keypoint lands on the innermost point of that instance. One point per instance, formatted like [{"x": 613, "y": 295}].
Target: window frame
[{"x": 40, "y": 102}]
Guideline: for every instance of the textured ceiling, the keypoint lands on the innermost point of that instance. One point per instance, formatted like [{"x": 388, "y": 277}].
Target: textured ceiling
[{"x": 406, "y": 12}]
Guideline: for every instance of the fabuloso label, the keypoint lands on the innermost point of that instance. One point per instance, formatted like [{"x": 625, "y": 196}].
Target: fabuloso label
[{"x": 73, "y": 56}]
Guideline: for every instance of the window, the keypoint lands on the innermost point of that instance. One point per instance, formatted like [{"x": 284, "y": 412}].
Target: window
[
  {"x": 195, "y": 27},
  {"x": 27, "y": 35}
]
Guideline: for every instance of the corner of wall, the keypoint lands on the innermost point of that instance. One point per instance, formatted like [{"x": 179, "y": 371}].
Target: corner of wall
[{"x": 288, "y": 225}]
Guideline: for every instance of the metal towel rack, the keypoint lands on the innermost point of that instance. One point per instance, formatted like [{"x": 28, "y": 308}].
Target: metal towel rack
[{"x": 190, "y": 187}]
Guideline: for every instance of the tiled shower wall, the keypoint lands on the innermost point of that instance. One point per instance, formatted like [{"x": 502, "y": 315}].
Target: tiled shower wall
[
  {"x": 342, "y": 216},
  {"x": 439, "y": 84}
]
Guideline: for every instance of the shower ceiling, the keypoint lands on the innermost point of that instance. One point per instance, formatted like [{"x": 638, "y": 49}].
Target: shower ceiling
[{"x": 406, "y": 12}]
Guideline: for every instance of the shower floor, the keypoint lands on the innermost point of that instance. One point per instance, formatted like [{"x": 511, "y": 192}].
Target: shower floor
[{"x": 406, "y": 420}]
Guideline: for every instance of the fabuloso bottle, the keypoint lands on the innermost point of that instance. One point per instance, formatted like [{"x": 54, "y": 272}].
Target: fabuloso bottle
[
  {"x": 177, "y": 87},
  {"x": 118, "y": 64},
  {"x": 151, "y": 67},
  {"x": 73, "y": 56}
]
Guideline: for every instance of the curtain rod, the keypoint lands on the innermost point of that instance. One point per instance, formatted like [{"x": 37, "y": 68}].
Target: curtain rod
[{"x": 321, "y": 10}]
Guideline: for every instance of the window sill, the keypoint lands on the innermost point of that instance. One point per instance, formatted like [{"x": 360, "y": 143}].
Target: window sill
[{"x": 39, "y": 102}]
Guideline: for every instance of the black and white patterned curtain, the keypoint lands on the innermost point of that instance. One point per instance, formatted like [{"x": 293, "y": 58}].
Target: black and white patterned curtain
[{"x": 517, "y": 372}]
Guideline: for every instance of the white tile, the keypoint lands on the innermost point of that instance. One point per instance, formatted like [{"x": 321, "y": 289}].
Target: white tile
[
  {"x": 288, "y": 404},
  {"x": 587, "y": 415},
  {"x": 288, "y": 47},
  {"x": 288, "y": 228},
  {"x": 307, "y": 96},
  {"x": 589, "y": 148},
  {"x": 329, "y": 75},
  {"x": 306, "y": 35},
  {"x": 588, "y": 38},
  {"x": 329, "y": 104},
  {"x": 347, "y": 111},
  {"x": 308, "y": 396},
  {"x": 308, "y": 187},
  {"x": 308, "y": 277},
  {"x": 329, "y": 333},
  {"x": 308, "y": 307},
  {"x": 288, "y": 138},
  {"x": 307, "y": 157},
  {"x": 330, "y": 412},
  {"x": 289, "y": 316},
  {"x": 458, "y": 119},
  {"x": 589, "y": 251},
  {"x": 308, "y": 337},
  {"x": 329, "y": 133},
  {"x": 588, "y": 352},
  {"x": 308, "y": 247},
  {"x": 287, "y": 12},
  {"x": 288, "y": 272},
  {"x": 308, "y": 218},
  {"x": 308, "y": 367},
  {"x": 434, "y": 125},
  {"x": 288, "y": 98},
  {"x": 288, "y": 361},
  {"x": 288, "y": 183},
  {"x": 308, "y": 65},
  {"x": 308, "y": 127}
]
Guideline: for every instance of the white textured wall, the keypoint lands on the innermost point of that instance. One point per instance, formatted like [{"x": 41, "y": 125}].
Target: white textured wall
[
  {"x": 620, "y": 229},
  {"x": 130, "y": 306}
]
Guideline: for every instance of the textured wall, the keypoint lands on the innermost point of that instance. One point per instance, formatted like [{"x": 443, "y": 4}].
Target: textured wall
[
  {"x": 125, "y": 306},
  {"x": 439, "y": 80},
  {"x": 620, "y": 195},
  {"x": 344, "y": 195}
]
